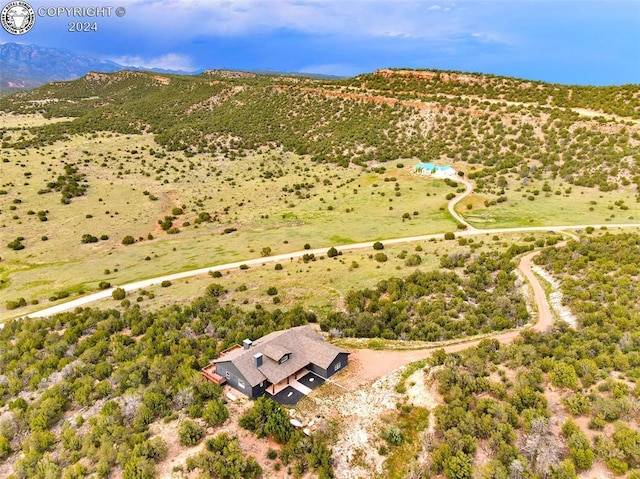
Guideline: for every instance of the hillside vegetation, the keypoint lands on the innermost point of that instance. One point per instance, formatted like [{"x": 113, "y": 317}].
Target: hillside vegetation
[
  {"x": 118, "y": 177},
  {"x": 551, "y": 405},
  {"x": 585, "y": 135},
  {"x": 159, "y": 172}
]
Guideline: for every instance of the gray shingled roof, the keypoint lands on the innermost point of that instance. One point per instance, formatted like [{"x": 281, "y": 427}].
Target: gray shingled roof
[{"x": 302, "y": 342}]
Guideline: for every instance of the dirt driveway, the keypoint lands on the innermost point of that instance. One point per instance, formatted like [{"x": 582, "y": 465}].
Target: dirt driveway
[{"x": 366, "y": 365}]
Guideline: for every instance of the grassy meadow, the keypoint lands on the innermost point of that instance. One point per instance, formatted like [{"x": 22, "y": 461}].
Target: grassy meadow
[
  {"x": 318, "y": 285},
  {"x": 223, "y": 208},
  {"x": 274, "y": 200},
  {"x": 563, "y": 205}
]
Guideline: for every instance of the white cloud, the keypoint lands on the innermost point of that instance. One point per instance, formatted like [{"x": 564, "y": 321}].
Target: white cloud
[
  {"x": 170, "y": 61},
  {"x": 354, "y": 17}
]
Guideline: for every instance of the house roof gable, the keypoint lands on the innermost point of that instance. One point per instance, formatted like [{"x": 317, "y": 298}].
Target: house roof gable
[{"x": 303, "y": 345}]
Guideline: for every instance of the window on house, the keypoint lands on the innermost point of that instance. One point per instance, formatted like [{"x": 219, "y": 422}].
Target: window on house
[
  {"x": 241, "y": 383},
  {"x": 227, "y": 375},
  {"x": 284, "y": 358},
  {"x": 337, "y": 366}
]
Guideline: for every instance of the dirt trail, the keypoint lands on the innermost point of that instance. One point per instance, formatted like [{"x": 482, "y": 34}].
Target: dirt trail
[
  {"x": 373, "y": 364},
  {"x": 452, "y": 204}
]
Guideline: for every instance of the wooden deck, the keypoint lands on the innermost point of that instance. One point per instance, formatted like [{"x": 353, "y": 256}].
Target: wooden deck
[{"x": 210, "y": 373}]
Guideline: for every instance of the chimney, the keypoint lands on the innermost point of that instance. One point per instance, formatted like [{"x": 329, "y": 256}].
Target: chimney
[
  {"x": 257, "y": 360},
  {"x": 247, "y": 343}
]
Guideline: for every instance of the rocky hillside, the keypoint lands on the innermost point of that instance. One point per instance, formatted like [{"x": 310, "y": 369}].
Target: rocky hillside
[{"x": 588, "y": 136}]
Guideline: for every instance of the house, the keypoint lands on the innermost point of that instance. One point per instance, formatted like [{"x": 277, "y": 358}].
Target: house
[
  {"x": 435, "y": 170},
  {"x": 272, "y": 363}
]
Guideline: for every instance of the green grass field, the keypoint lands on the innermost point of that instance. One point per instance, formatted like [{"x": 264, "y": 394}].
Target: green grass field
[
  {"x": 574, "y": 205},
  {"x": 268, "y": 202},
  {"x": 255, "y": 195},
  {"x": 316, "y": 285}
]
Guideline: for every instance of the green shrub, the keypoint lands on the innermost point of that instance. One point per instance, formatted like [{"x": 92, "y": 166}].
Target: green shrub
[
  {"x": 380, "y": 257},
  {"x": 215, "y": 413},
  {"x": 16, "y": 244},
  {"x": 5, "y": 447},
  {"x": 278, "y": 267},
  {"x": 393, "y": 436},
  {"x": 166, "y": 283},
  {"x": 19, "y": 303},
  {"x": 449, "y": 235},
  {"x": 216, "y": 290},
  {"x": 190, "y": 433},
  {"x": 272, "y": 291},
  {"x": 332, "y": 252},
  {"x": 88, "y": 238},
  {"x": 127, "y": 240},
  {"x": 413, "y": 260},
  {"x": 378, "y": 245},
  {"x": 118, "y": 294}
]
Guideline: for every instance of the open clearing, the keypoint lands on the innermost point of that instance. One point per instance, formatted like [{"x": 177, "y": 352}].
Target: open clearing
[{"x": 272, "y": 201}]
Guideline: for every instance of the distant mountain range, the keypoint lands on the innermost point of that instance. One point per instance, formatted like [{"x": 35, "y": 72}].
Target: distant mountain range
[
  {"x": 23, "y": 67},
  {"x": 28, "y": 66}
]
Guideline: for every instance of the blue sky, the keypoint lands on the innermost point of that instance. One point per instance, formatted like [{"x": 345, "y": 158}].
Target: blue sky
[{"x": 575, "y": 42}]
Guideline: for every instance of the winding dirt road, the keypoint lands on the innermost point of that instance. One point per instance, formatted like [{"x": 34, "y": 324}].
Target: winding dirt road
[
  {"x": 470, "y": 231},
  {"x": 454, "y": 201},
  {"x": 372, "y": 364}
]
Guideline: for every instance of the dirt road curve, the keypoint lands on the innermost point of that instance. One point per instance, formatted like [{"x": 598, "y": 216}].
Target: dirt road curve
[
  {"x": 458, "y": 199},
  {"x": 83, "y": 301},
  {"x": 371, "y": 364}
]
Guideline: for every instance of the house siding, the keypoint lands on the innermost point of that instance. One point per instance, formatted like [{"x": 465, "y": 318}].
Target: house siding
[
  {"x": 235, "y": 376},
  {"x": 342, "y": 358}
]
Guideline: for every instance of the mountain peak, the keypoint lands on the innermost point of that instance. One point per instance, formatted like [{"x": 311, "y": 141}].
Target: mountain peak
[{"x": 28, "y": 66}]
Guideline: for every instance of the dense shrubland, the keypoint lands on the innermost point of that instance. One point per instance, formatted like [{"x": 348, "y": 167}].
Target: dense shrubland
[
  {"x": 438, "y": 305},
  {"x": 551, "y": 404},
  {"x": 495, "y": 123},
  {"x": 112, "y": 375}
]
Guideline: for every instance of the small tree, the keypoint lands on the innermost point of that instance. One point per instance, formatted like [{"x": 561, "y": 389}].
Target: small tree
[
  {"x": 16, "y": 244},
  {"x": 332, "y": 252},
  {"x": 413, "y": 260},
  {"x": 380, "y": 257},
  {"x": 89, "y": 238},
  {"x": 449, "y": 235},
  {"x": 215, "y": 413},
  {"x": 118, "y": 294},
  {"x": 216, "y": 290},
  {"x": 378, "y": 245},
  {"x": 190, "y": 433}
]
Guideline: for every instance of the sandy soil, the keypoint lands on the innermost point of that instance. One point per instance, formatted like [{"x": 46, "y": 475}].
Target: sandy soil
[{"x": 250, "y": 445}]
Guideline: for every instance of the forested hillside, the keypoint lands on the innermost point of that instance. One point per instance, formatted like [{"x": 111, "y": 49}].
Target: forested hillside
[
  {"x": 584, "y": 135},
  {"x": 553, "y": 404}
]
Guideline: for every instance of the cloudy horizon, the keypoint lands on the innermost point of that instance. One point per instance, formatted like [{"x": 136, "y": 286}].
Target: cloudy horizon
[{"x": 573, "y": 41}]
